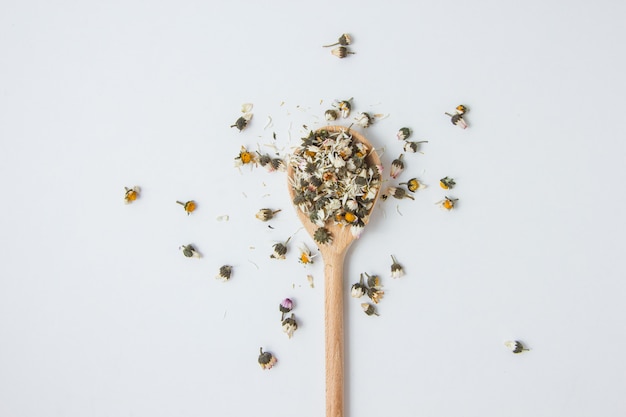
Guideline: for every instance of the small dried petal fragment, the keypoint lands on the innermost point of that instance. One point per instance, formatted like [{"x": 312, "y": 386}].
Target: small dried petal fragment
[
  {"x": 266, "y": 359},
  {"x": 131, "y": 194}
]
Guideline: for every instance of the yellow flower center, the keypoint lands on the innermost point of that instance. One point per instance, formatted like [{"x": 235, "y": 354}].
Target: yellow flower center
[
  {"x": 190, "y": 206},
  {"x": 131, "y": 195},
  {"x": 246, "y": 157},
  {"x": 443, "y": 185},
  {"x": 448, "y": 204},
  {"x": 304, "y": 258},
  {"x": 350, "y": 217}
]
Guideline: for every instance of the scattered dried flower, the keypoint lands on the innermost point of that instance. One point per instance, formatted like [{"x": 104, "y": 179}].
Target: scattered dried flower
[
  {"x": 373, "y": 281},
  {"x": 343, "y": 40},
  {"x": 397, "y": 166},
  {"x": 310, "y": 279},
  {"x": 396, "y": 269},
  {"x": 369, "y": 309},
  {"x": 515, "y": 346},
  {"x": 225, "y": 273},
  {"x": 242, "y": 122},
  {"x": 413, "y": 185},
  {"x": 330, "y": 115},
  {"x": 447, "y": 183},
  {"x": 266, "y": 214},
  {"x": 396, "y": 192},
  {"x": 375, "y": 294},
  {"x": 190, "y": 252},
  {"x": 189, "y": 206},
  {"x": 344, "y": 106},
  {"x": 290, "y": 325},
  {"x": 266, "y": 359},
  {"x": 364, "y": 120},
  {"x": 285, "y": 307},
  {"x": 306, "y": 257},
  {"x": 131, "y": 194},
  {"x": 246, "y": 107},
  {"x": 358, "y": 289},
  {"x": 280, "y": 250},
  {"x": 447, "y": 203},
  {"x": 404, "y": 133},
  {"x": 413, "y": 147},
  {"x": 457, "y": 118},
  {"x": 341, "y": 52},
  {"x": 245, "y": 157}
]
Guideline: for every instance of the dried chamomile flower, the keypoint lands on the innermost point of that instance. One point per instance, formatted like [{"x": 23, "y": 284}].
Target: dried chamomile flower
[
  {"x": 266, "y": 214},
  {"x": 358, "y": 289},
  {"x": 373, "y": 281},
  {"x": 369, "y": 309},
  {"x": 330, "y": 115},
  {"x": 306, "y": 257},
  {"x": 266, "y": 359},
  {"x": 375, "y": 294},
  {"x": 364, "y": 119},
  {"x": 404, "y": 133},
  {"x": 341, "y": 52},
  {"x": 396, "y": 269},
  {"x": 242, "y": 122},
  {"x": 290, "y": 325},
  {"x": 396, "y": 192},
  {"x": 413, "y": 147},
  {"x": 280, "y": 250},
  {"x": 131, "y": 194},
  {"x": 322, "y": 235},
  {"x": 457, "y": 118},
  {"x": 285, "y": 307},
  {"x": 515, "y": 346},
  {"x": 447, "y": 203},
  {"x": 190, "y": 252},
  {"x": 245, "y": 157},
  {"x": 343, "y": 40},
  {"x": 413, "y": 185},
  {"x": 271, "y": 164},
  {"x": 189, "y": 206},
  {"x": 447, "y": 183},
  {"x": 397, "y": 166},
  {"x": 344, "y": 106},
  {"x": 225, "y": 273}
]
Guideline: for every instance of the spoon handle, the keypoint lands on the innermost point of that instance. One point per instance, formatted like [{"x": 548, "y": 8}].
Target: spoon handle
[{"x": 333, "y": 305}]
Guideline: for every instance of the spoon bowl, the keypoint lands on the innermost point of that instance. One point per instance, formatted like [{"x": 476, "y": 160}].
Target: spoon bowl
[{"x": 333, "y": 255}]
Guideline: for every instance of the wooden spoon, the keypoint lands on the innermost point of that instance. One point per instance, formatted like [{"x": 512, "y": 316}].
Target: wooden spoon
[{"x": 333, "y": 255}]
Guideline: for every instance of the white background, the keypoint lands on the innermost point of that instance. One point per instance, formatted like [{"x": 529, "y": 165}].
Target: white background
[{"x": 101, "y": 315}]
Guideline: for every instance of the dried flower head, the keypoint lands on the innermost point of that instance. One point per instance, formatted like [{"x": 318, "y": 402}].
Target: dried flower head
[
  {"x": 131, "y": 194},
  {"x": 364, "y": 119},
  {"x": 404, "y": 133},
  {"x": 344, "y": 106},
  {"x": 242, "y": 122},
  {"x": 322, "y": 235},
  {"x": 396, "y": 269},
  {"x": 447, "y": 183},
  {"x": 358, "y": 289},
  {"x": 306, "y": 257},
  {"x": 515, "y": 346},
  {"x": 397, "y": 166},
  {"x": 447, "y": 203},
  {"x": 396, "y": 192},
  {"x": 413, "y": 185},
  {"x": 266, "y": 214},
  {"x": 245, "y": 157},
  {"x": 290, "y": 325},
  {"x": 225, "y": 273},
  {"x": 190, "y": 252},
  {"x": 285, "y": 307},
  {"x": 266, "y": 359},
  {"x": 280, "y": 250},
  {"x": 343, "y": 40},
  {"x": 189, "y": 206},
  {"x": 375, "y": 294},
  {"x": 373, "y": 281},
  {"x": 457, "y": 118},
  {"x": 413, "y": 147},
  {"x": 341, "y": 52},
  {"x": 369, "y": 309},
  {"x": 330, "y": 115}
]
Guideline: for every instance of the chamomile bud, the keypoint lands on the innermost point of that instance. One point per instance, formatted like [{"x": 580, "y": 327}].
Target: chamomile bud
[
  {"x": 341, "y": 52},
  {"x": 330, "y": 115},
  {"x": 266, "y": 359},
  {"x": 515, "y": 346},
  {"x": 343, "y": 40},
  {"x": 266, "y": 214},
  {"x": 447, "y": 183},
  {"x": 397, "y": 166},
  {"x": 190, "y": 252},
  {"x": 242, "y": 122},
  {"x": 344, "y": 106},
  {"x": 396, "y": 269},
  {"x": 396, "y": 192},
  {"x": 457, "y": 118},
  {"x": 280, "y": 250},
  {"x": 358, "y": 289},
  {"x": 131, "y": 194},
  {"x": 323, "y": 236},
  {"x": 448, "y": 203},
  {"x": 285, "y": 307},
  {"x": 290, "y": 325},
  {"x": 413, "y": 185},
  {"x": 225, "y": 273},
  {"x": 364, "y": 120},
  {"x": 369, "y": 309},
  {"x": 413, "y": 147},
  {"x": 189, "y": 206},
  {"x": 404, "y": 133}
]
